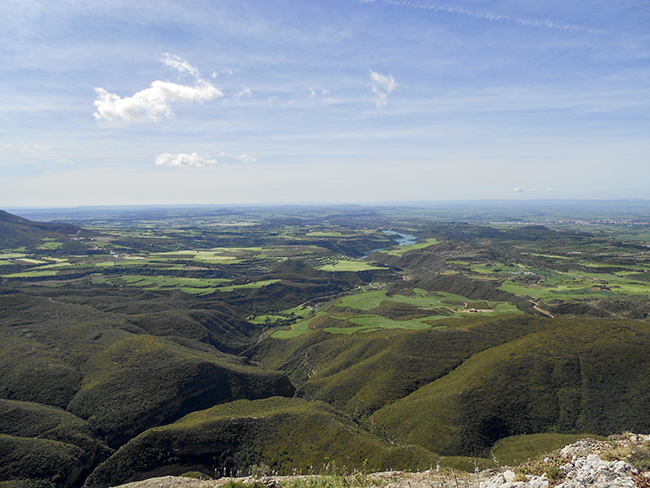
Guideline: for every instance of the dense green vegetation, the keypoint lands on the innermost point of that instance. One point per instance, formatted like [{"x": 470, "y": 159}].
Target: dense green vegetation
[
  {"x": 136, "y": 343},
  {"x": 39, "y": 441},
  {"x": 361, "y": 373},
  {"x": 573, "y": 376},
  {"x": 285, "y": 434}
]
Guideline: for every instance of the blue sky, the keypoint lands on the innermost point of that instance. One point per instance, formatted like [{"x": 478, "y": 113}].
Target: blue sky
[{"x": 217, "y": 102}]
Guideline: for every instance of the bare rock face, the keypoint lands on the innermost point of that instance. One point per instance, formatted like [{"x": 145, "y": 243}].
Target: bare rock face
[
  {"x": 507, "y": 479},
  {"x": 593, "y": 471},
  {"x": 169, "y": 482},
  {"x": 584, "y": 447},
  {"x": 588, "y": 469}
]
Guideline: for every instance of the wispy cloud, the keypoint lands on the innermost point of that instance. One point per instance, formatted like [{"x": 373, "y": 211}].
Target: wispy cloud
[
  {"x": 197, "y": 160},
  {"x": 225, "y": 71},
  {"x": 490, "y": 16},
  {"x": 22, "y": 147},
  {"x": 381, "y": 87},
  {"x": 244, "y": 92},
  {"x": 180, "y": 64},
  {"x": 244, "y": 158},
  {"x": 324, "y": 93},
  {"x": 153, "y": 103},
  {"x": 519, "y": 190}
]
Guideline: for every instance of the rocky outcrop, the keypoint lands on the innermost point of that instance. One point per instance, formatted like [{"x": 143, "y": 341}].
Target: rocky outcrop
[
  {"x": 581, "y": 465},
  {"x": 508, "y": 479},
  {"x": 593, "y": 471}
]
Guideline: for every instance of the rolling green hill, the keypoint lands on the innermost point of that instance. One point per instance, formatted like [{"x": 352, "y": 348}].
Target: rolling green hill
[
  {"x": 285, "y": 434},
  {"x": 16, "y": 231},
  {"x": 361, "y": 373},
  {"x": 100, "y": 368},
  {"x": 459, "y": 389},
  {"x": 143, "y": 381},
  {"x": 578, "y": 375},
  {"x": 37, "y": 441}
]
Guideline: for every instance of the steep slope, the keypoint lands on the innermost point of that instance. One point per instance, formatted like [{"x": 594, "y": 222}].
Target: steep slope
[
  {"x": 578, "y": 375},
  {"x": 280, "y": 432},
  {"x": 104, "y": 370},
  {"x": 362, "y": 373},
  {"x": 216, "y": 326},
  {"x": 38, "y": 441},
  {"x": 144, "y": 381},
  {"x": 16, "y": 231}
]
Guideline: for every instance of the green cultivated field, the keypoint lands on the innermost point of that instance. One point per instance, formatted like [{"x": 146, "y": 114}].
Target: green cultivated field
[
  {"x": 364, "y": 301},
  {"x": 323, "y": 234},
  {"x": 12, "y": 255},
  {"x": 187, "y": 285},
  {"x": 31, "y": 274},
  {"x": 411, "y": 247},
  {"x": 248, "y": 286},
  {"x": 350, "y": 266},
  {"x": 212, "y": 256},
  {"x": 573, "y": 277},
  {"x": 50, "y": 245},
  {"x": 159, "y": 281},
  {"x": 428, "y": 307},
  {"x": 578, "y": 284},
  {"x": 299, "y": 328},
  {"x": 375, "y": 322},
  {"x": 342, "y": 263},
  {"x": 32, "y": 261},
  {"x": 288, "y": 314}
]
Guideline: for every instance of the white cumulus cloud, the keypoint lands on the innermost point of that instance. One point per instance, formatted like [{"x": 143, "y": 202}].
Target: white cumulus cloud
[
  {"x": 381, "y": 86},
  {"x": 183, "y": 160},
  {"x": 153, "y": 103},
  {"x": 197, "y": 160}
]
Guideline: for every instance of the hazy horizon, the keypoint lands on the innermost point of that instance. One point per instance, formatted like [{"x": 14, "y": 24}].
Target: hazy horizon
[{"x": 403, "y": 203}]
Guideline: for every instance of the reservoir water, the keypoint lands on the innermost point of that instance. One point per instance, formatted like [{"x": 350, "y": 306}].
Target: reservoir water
[{"x": 402, "y": 240}]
